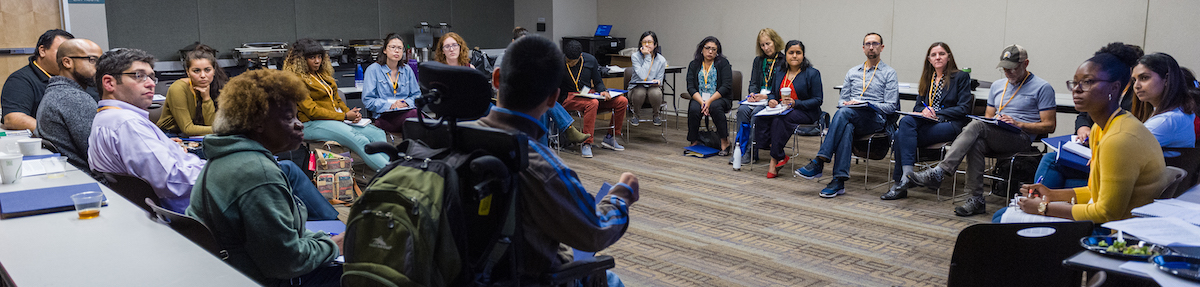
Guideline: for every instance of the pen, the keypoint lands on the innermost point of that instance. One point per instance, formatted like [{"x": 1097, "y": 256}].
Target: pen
[{"x": 1039, "y": 180}]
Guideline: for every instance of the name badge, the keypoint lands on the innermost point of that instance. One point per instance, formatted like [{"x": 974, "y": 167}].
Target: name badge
[
  {"x": 585, "y": 90},
  {"x": 705, "y": 96},
  {"x": 764, "y": 91}
]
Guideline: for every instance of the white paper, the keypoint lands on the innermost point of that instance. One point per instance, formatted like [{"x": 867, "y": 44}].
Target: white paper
[
  {"x": 615, "y": 68},
  {"x": 1168, "y": 231},
  {"x": 1014, "y": 214},
  {"x": 1189, "y": 212},
  {"x": 592, "y": 96},
  {"x": 32, "y": 167},
  {"x": 585, "y": 90},
  {"x": 1077, "y": 149},
  {"x": 361, "y": 123},
  {"x": 1160, "y": 277},
  {"x": 777, "y": 110},
  {"x": 615, "y": 93},
  {"x": 758, "y": 103}
]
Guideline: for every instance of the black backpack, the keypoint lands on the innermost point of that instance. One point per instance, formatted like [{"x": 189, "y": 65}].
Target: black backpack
[{"x": 481, "y": 61}]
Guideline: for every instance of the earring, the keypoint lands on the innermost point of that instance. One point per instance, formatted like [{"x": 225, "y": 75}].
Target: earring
[{"x": 1109, "y": 97}]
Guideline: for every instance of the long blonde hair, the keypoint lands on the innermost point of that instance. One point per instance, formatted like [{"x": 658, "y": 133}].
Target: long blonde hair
[{"x": 770, "y": 33}]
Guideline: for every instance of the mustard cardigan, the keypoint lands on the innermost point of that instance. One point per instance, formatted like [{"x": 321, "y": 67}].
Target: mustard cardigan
[
  {"x": 322, "y": 101},
  {"x": 179, "y": 108},
  {"x": 1127, "y": 171}
]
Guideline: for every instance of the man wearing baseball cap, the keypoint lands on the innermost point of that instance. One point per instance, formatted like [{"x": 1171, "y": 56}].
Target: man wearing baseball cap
[{"x": 1020, "y": 99}]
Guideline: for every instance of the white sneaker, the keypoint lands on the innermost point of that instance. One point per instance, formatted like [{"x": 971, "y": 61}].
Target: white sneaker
[
  {"x": 586, "y": 150},
  {"x": 611, "y": 143}
]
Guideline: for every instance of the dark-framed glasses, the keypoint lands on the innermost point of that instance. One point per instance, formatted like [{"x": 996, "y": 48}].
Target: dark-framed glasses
[
  {"x": 90, "y": 59},
  {"x": 1084, "y": 85},
  {"x": 141, "y": 76}
]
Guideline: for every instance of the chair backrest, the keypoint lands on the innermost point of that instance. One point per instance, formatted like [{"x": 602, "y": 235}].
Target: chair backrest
[
  {"x": 49, "y": 146},
  {"x": 628, "y": 76},
  {"x": 190, "y": 228},
  {"x": 737, "y": 87},
  {"x": 1174, "y": 176},
  {"x": 1187, "y": 159},
  {"x": 1038, "y": 249},
  {"x": 133, "y": 188}
]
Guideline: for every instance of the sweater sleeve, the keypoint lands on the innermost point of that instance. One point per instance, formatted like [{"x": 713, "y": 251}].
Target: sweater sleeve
[
  {"x": 641, "y": 69},
  {"x": 693, "y": 81},
  {"x": 659, "y": 73},
  {"x": 756, "y": 81},
  {"x": 1116, "y": 178},
  {"x": 278, "y": 249},
  {"x": 726, "y": 88},
  {"x": 962, "y": 98}
]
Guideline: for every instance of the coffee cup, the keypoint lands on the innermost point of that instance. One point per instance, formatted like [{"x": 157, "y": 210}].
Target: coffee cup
[
  {"x": 785, "y": 91},
  {"x": 30, "y": 146},
  {"x": 10, "y": 167}
]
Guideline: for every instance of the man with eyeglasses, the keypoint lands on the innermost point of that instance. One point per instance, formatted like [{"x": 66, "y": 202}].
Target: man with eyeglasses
[
  {"x": 1020, "y": 99},
  {"x": 124, "y": 140},
  {"x": 65, "y": 117},
  {"x": 25, "y": 87},
  {"x": 869, "y": 96}
]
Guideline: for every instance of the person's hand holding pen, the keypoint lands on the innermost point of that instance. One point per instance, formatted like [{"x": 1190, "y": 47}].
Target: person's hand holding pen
[{"x": 928, "y": 112}]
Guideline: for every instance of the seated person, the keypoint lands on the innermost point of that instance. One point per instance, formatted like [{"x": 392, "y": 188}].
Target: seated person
[
  {"x": 242, "y": 195},
  {"x": 557, "y": 115},
  {"x": 649, "y": 65},
  {"x": 124, "y": 141},
  {"x": 583, "y": 75},
  {"x": 190, "y": 107},
  {"x": 1126, "y": 167},
  {"x": 25, "y": 87},
  {"x": 1030, "y": 107},
  {"x": 452, "y": 50},
  {"x": 323, "y": 112},
  {"x": 66, "y": 117},
  {"x": 872, "y": 84},
  {"x": 709, "y": 84},
  {"x": 763, "y": 71},
  {"x": 558, "y": 210},
  {"x": 945, "y": 97},
  {"x": 390, "y": 86},
  {"x": 802, "y": 83}
]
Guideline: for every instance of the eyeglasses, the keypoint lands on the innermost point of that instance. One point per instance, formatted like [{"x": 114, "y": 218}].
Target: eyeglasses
[
  {"x": 141, "y": 76},
  {"x": 91, "y": 59},
  {"x": 872, "y": 44},
  {"x": 710, "y": 48},
  {"x": 647, "y": 42},
  {"x": 1084, "y": 85},
  {"x": 395, "y": 48},
  {"x": 450, "y": 47}
]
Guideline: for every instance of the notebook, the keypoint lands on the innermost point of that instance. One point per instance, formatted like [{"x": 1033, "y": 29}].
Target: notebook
[
  {"x": 1002, "y": 124},
  {"x": 328, "y": 226},
  {"x": 41, "y": 201}
]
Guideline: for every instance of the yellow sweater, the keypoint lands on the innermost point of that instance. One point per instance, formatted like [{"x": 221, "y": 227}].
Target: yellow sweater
[
  {"x": 179, "y": 108},
  {"x": 1127, "y": 171},
  {"x": 322, "y": 102}
]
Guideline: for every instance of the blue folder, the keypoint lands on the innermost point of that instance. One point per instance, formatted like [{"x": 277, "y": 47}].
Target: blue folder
[
  {"x": 328, "y": 226},
  {"x": 42, "y": 200},
  {"x": 700, "y": 151},
  {"x": 1066, "y": 158}
]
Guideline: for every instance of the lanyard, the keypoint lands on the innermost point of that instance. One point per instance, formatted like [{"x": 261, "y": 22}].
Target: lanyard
[
  {"x": 768, "y": 73},
  {"x": 575, "y": 77},
  {"x": 1014, "y": 94},
  {"x": 939, "y": 88},
  {"x": 707, "y": 71},
  {"x": 396, "y": 84},
  {"x": 328, "y": 90},
  {"x": 867, "y": 83},
  {"x": 101, "y": 109},
  {"x": 35, "y": 64}
]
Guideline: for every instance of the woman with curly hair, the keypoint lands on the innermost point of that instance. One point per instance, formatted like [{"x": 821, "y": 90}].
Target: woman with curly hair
[
  {"x": 452, "y": 50},
  {"x": 323, "y": 111}
]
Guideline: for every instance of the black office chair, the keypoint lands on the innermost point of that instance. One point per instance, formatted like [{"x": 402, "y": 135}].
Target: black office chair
[
  {"x": 49, "y": 146},
  {"x": 190, "y": 228},
  {"x": 1033, "y": 251},
  {"x": 134, "y": 189},
  {"x": 1187, "y": 159}
]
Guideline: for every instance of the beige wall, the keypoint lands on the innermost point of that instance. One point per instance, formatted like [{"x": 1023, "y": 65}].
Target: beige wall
[
  {"x": 1058, "y": 34},
  {"x": 574, "y": 18}
]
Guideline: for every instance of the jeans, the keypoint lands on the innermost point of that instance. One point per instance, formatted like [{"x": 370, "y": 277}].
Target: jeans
[
  {"x": 350, "y": 136},
  {"x": 589, "y": 107},
  {"x": 716, "y": 111},
  {"x": 847, "y": 124},
  {"x": 1055, "y": 176},
  {"x": 775, "y": 131},
  {"x": 303, "y": 188},
  {"x": 561, "y": 120},
  {"x": 976, "y": 140},
  {"x": 913, "y": 134}
]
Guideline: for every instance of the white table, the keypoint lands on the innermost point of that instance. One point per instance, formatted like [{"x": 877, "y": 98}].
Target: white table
[{"x": 122, "y": 247}]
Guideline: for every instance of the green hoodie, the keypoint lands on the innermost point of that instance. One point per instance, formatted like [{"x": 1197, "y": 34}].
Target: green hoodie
[{"x": 252, "y": 213}]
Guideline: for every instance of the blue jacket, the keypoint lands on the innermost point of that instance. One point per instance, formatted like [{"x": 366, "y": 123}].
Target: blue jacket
[{"x": 377, "y": 89}]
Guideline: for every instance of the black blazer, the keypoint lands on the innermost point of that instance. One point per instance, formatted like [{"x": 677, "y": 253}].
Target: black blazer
[
  {"x": 957, "y": 100},
  {"x": 806, "y": 87},
  {"x": 724, "y": 77},
  {"x": 756, "y": 69},
  {"x": 589, "y": 76}
]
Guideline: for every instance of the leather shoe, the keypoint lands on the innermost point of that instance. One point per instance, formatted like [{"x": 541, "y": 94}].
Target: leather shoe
[
  {"x": 783, "y": 162},
  {"x": 897, "y": 191},
  {"x": 771, "y": 175}
]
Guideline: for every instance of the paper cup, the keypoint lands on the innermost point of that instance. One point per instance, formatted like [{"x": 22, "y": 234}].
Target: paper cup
[
  {"x": 10, "y": 167},
  {"x": 30, "y": 146},
  {"x": 785, "y": 91}
]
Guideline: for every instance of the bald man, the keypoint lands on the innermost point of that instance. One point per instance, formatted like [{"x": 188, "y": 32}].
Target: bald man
[{"x": 65, "y": 116}]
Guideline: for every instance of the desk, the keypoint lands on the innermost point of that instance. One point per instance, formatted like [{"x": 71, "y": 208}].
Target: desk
[
  {"x": 908, "y": 91},
  {"x": 1091, "y": 261},
  {"x": 121, "y": 247}
]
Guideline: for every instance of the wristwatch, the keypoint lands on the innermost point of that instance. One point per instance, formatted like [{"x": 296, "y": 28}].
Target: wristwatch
[{"x": 1042, "y": 208}]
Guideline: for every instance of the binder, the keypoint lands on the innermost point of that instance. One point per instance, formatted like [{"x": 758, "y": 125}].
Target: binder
[
  {"x": 41, "y": 201},
  {"x": 700, "y": 151}
]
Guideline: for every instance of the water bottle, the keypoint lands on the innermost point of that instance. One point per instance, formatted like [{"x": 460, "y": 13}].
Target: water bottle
[
  {"x": 737, "y": 157},
  {"x": 358, "y": 77}
]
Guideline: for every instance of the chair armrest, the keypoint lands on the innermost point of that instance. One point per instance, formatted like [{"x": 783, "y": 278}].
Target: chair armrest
[{"x": 578, "y": 269}]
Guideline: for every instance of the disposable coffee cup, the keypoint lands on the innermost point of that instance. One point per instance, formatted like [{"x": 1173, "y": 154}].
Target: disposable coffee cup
[
  {"x": 785, "y": 91},
  {"x": 10, "y": 167},
  {"x": 87, "y": 204},
  {"x": 30, "y": 146}
]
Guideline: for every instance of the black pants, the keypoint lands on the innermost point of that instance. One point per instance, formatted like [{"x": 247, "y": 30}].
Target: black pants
[
  {"x": 716, "y": 111},
  {"x": 775, "y": 131}
]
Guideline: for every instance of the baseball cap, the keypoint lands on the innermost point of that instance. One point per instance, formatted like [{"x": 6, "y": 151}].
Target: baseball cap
[{"x": 1012, "y": 57}]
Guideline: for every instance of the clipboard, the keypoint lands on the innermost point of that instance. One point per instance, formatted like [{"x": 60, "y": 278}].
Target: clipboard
[
  {"x": 918, "y": 116},
  {"x": 1002, "y": 124}
]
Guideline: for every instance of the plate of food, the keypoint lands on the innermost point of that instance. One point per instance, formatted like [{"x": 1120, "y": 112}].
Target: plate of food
[
  {"x": 1127, "y": 249},
  {"x": 1181, "y": 266}
]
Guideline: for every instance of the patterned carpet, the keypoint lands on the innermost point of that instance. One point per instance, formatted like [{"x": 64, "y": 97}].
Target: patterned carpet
[{"x": 700, "y": 223}]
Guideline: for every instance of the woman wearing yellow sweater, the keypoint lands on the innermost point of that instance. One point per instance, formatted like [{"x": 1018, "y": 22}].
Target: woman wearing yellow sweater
[
  {"x": 190, "y": 107},
  {"x": 1127, "y": 163},
  {"x": 323, "y": 111}
]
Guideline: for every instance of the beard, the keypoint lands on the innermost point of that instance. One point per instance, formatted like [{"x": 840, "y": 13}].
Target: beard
[
  {"x": 872, "y": 56},
  {"x": 82, "y": 80}
]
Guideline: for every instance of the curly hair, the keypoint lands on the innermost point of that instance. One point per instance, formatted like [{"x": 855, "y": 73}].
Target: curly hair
[
  {"x": 463, "y": 53},
  {"x": 249, "y": 97},
  {"x": 297, "y": 58}
]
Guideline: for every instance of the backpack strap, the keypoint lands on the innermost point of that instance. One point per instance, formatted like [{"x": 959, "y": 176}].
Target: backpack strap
[{"x": 497, "y": 250}]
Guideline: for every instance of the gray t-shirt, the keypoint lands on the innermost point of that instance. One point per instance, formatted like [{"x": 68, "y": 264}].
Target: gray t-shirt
[{"x": 1022, "y": 102}]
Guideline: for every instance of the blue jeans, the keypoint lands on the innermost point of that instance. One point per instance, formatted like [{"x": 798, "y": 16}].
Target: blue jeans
[
  {"x": 847, "y": 123},
  {"x": 350, "y": 136},
  {"x": 303, "y": 189},
  {"x": 1055, "y": 176},
  {"x": 562, "y": 120},
  {"x": 913, "y": 134}
]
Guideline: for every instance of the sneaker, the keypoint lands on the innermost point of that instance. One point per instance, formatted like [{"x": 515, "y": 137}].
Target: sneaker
[
  {"x": 573, "y": 135},
  {"x": 812, "y": 170},
  {"x": 657, "y": 120},
  {"x": 974, "y": 205},
  {"x": 610, "y": 142},
  {"x": 633, "y": 119},
  {"x": 586, "y": 150},
  {"x": 930, "y": 177},
  {"x": 836, "y": 187}
]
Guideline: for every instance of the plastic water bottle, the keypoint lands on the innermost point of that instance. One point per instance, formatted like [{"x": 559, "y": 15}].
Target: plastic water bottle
[
  {"x": 737, "y": 157},
  {"x": 358, "y": 77}
]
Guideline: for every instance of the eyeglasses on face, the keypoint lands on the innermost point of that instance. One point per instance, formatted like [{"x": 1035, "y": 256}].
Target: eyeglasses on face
[
  {"x": 449, "y": 47},
  {"x": 1084, "y": 85},
  {"x": 872, "y": 44},
  {"x": 90, "y": 59},
  {"x": 395, "y": 48},
  {"x": 141, "y": 77}
]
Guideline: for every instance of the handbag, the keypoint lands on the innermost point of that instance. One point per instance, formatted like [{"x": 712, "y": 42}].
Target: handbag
[{"x": 708, "y": 136}]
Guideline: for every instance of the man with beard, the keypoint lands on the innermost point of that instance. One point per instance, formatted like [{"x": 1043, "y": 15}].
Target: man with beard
[
  {"x": 869, "y": 95},
  {"x": 65, "y": 117}
]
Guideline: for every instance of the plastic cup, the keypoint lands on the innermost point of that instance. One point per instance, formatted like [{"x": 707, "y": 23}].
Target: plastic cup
[
  {"x": 87, "y": 204},
  {"x": 10, "y": 167},
  {"x": 30, "y": 146},
  {"x": 56, "y": 167}
]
